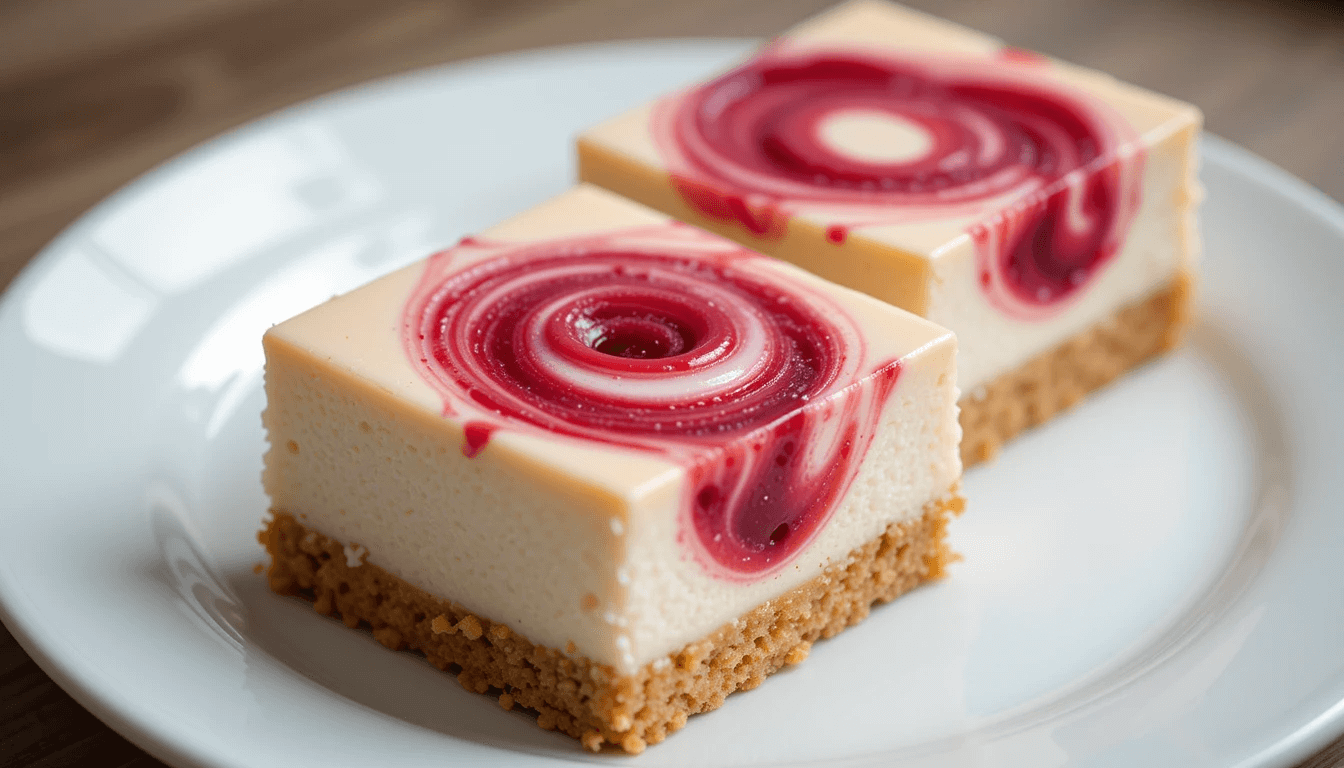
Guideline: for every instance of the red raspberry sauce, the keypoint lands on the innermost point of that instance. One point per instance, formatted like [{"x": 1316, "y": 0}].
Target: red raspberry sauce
[
  {"x": 664, "y": 340},
  {"x": 1052, "y": 175}
]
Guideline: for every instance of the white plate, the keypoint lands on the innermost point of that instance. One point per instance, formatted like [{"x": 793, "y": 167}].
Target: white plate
[{"x": 1153, "y": 579}]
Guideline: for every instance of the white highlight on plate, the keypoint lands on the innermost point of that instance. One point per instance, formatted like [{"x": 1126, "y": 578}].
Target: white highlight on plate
[
  {"x": 261, "y": 191},
  {"x": 227, "y": 361},
  {"x": 78, "y": 310}
]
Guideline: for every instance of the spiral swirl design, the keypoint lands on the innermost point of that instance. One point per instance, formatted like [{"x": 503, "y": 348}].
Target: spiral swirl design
[
  {"x": 1048, "y": 172},
  {"x": 674, "y": 347}
]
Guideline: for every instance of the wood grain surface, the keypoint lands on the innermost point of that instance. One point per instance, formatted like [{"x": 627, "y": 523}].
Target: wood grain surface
[{"x": 95, "y": 92}]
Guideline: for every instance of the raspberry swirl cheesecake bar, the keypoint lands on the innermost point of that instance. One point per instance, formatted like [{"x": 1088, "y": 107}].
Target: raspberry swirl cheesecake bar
[
  {"x": 1043, "y": 212},
  {"x": 605, "y": 465}
]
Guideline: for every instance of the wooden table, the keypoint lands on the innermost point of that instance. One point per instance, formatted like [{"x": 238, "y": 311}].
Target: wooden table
[{"x": 95, "y": 92}]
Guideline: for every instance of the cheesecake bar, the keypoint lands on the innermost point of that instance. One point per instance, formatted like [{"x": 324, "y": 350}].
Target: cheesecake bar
[
  {"x": 606, "y": 466},
  {"x": 1041, "y": 211}
]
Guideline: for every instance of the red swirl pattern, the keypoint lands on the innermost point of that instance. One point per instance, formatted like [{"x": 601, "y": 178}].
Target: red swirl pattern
[
  {"x": 666, "y": 340},
  {"x": 1049, "y": 176}
]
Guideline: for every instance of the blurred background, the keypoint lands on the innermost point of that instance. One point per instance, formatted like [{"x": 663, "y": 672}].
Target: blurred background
[{"x": 95, "y": 92}]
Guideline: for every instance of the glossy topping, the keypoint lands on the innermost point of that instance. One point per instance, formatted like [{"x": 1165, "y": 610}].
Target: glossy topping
[
  {"x": 871, "y": 139},
  {"x": 662, "y": 339}
]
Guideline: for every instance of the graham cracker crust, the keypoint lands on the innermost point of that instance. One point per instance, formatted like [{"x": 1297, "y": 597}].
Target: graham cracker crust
[
  {"x": 995, "y": 413},
  {"x": 586, "y": 700}
]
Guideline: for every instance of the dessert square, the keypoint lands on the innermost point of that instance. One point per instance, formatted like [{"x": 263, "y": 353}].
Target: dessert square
[
  {"x": 605, "y": 465},
  {"x": 1041, "y": 211}
]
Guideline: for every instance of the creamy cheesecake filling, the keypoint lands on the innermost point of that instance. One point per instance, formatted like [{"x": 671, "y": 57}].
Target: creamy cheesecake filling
[
  {"x": 907, "y": 467},
  {"x": 1161, "y": 247},
  {"x": 562, "y": 565},
  {"x": 1014, "y": 199},
  {"x": 583, "y": 533},
  {"x": 1049, "y": 175}
]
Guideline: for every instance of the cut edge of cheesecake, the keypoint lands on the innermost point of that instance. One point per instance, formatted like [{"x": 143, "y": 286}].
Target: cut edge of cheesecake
[
  {"x": 607, "y": 157},
  {"x": 589, "y": 701},
  {"x": 1146, "y": 321},
  {"x": 1052, "y": 382}
]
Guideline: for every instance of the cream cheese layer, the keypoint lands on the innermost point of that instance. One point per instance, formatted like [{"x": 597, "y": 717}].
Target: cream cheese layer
[
  {"x": 1012, "y": 198},
  {"x": 591, "y": 412}
]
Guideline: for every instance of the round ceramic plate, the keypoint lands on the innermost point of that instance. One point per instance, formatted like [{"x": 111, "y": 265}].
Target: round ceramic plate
[{"x": 1152, "y": 579}]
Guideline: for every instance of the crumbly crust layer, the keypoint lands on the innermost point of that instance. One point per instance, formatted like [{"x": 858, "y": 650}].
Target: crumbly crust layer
[
  {"x": 1031, "y": 395},
  {"x": 590, "y": 701}
]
